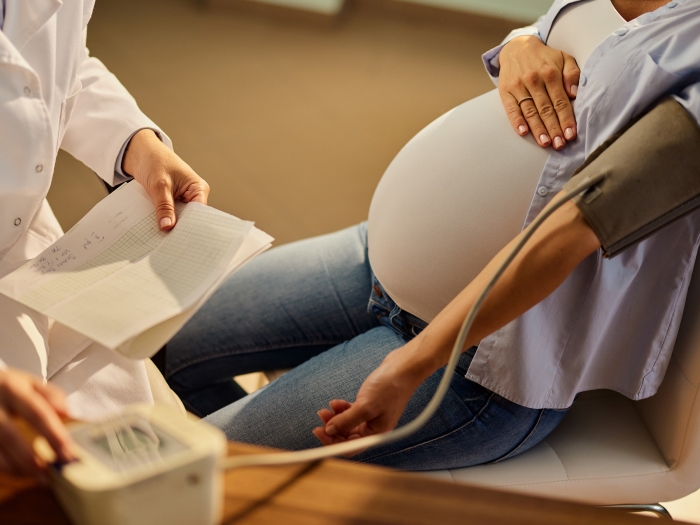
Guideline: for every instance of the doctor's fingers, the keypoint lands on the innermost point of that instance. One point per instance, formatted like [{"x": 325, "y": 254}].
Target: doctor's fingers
[
  {"x": 20, "y": 397},
  {"x": 161, "y": 190},
  {"x": 196, "y": 191},
  {"x": 54, "y": 395},
  {"x": 16, "y": 453}
]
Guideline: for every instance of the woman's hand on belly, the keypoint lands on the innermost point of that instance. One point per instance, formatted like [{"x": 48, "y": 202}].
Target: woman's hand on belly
[{"x": 543, "y": 80}]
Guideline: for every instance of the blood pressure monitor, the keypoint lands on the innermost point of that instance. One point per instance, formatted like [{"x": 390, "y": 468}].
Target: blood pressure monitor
[{"x": 146, "y": 466}]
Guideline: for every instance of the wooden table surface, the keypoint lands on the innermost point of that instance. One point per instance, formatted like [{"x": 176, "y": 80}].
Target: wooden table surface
[{"x": 341, "y": 492}]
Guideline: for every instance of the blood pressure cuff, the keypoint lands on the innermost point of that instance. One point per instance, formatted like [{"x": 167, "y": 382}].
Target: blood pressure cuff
[{"x": 651, "y": 177}]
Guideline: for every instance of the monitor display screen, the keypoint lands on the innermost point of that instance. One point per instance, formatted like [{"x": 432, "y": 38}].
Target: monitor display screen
[{"x": 128, "y": 442}]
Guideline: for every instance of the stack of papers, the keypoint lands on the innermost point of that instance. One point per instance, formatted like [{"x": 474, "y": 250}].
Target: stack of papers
[{"x": 117, "y": 279}]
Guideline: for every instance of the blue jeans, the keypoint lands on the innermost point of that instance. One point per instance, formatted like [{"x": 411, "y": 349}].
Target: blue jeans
[{"x": 305, "y": 305}]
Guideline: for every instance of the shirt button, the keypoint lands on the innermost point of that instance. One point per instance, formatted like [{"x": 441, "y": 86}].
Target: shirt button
[
  {"x": 621, "y": 32},
  {"x": 542, "y": 191},
  {"x": 582, "y": 81},
  {"x": 27, "y": 91},
  {"x": 18, "y": 221},
  {"x": 39, "y": 168}
]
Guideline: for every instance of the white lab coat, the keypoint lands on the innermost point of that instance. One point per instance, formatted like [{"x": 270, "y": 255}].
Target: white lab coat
[{"x": 54, "y": 95}]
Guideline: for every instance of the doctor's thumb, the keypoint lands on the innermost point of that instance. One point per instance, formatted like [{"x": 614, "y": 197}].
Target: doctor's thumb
[{"x": 165, "y": 209}]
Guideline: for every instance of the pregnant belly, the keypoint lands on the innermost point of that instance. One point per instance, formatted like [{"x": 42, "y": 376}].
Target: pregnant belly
[{"x": 448, "y": 202}]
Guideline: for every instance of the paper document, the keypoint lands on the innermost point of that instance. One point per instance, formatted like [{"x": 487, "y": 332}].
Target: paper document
[{"x": 115, "y": 275}]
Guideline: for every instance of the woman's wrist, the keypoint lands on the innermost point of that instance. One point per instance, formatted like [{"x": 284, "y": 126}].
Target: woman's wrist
[
  {"x": 414, "y": 362},
  {"x": 520, "y": 42},
  {"x": 143, "y": 144}
]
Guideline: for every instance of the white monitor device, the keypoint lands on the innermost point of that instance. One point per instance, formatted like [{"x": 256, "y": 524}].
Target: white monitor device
[{"x": 146, "y": 466}]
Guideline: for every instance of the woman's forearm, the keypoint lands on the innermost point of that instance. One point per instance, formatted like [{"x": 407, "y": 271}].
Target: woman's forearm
[{"x": 560, "y": 244}]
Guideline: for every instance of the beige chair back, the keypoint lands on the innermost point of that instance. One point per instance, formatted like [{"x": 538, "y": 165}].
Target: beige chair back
[{"x": 672, "y": 416}]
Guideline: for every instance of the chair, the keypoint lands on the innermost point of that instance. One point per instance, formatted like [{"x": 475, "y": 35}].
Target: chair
[{"x": 612, "y": 451}]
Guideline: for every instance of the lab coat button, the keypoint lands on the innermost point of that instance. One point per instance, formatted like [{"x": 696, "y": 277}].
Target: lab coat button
[
  {"x": 621, "y": 32},
  {"x": 582, "y": 81},
  {"x": 18, "y": 221},
  {"x": 542, "y": 191},
  {"x": 39, "y": 168},
  {"x": 27, "y": 91},
  {"x": 672, "y": 5}
]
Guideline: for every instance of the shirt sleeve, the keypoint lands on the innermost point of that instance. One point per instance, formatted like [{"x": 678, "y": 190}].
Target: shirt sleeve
[
  {"x": 105, "y": 117},
  {"x": 490, "y": 58}
]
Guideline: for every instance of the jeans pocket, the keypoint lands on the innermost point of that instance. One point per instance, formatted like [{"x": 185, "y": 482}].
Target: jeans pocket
[{"x": 547, "y": 420}]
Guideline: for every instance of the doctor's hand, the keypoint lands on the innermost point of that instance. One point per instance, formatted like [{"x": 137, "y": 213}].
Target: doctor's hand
[
  {"x": 164, "y": 175},
  {"x": 536, "y": 83},
  {"x": 25, "y": 396},
  {"x": 381, "y": 400}
]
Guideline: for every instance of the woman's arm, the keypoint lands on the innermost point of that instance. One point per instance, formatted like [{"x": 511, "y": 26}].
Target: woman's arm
[{"x": 560, "y": 244}]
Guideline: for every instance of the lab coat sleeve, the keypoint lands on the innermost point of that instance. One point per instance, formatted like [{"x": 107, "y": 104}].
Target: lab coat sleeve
[
  {"x": 104, "y": 118},
  {"x": 490, "y": 58}
]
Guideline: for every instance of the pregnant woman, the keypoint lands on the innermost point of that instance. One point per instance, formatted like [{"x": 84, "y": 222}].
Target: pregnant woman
[{"x": 370, "y": 313}]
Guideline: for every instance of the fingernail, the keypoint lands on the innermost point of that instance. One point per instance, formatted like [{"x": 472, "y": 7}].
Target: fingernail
[
  {"x": 558, "y": 142},
  {"x": 165, "y": 222},
  {"x": 574, "y": 89},
  {"x": 522, "y": 129},
  {"x": 330, "y": 430},
  {"x": 569, "y": 133},
  {"x": 544, "y": 139}
]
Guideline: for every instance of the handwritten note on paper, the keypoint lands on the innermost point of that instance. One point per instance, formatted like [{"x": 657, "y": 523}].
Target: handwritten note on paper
[{"x": 115, "y": 274}]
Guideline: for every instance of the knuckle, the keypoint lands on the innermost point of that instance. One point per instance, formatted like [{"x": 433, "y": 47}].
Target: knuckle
[
  {"x": 531, "y": 77},
  {"x": 546, "y": 111},
  {"x": 530, "y": 111},
  {"x": 550, "y": 74},
  {"x": 513, "y": 110},
  {"x": 561, "y": 105},
  {"x": 165, "y": 206},
  {"x": 162, "y": 184}
]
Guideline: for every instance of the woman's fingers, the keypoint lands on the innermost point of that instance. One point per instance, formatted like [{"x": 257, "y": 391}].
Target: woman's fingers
[
  {"x": 561, "y": 103},
  {"x": 532, "y": 116},
  {"x": 515, "y": 116},
  {"x": 571, "y": 74},
  {"x": 548, "y": 100},
  {"x": 325, "y": 415}
]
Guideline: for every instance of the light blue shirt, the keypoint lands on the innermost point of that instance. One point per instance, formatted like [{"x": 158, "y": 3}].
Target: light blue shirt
[{"x": 613, "y": 323}]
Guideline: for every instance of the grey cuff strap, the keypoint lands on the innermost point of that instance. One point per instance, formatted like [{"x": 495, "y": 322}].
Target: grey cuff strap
[{"x": 651, "y": 177}]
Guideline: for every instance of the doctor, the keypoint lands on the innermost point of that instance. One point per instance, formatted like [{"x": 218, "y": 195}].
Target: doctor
[{"x": 53, "y": 95}]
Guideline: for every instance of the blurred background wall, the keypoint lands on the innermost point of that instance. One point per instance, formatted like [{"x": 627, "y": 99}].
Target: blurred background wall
[{"x": 291, "y": 121}]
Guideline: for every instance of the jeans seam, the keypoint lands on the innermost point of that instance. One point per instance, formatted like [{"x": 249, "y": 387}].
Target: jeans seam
[
  {"x": 436, "y": 438},
  {"x": 520, "y": 445},
  {"x": 254, "y": 349},
  {"x": 348, "y": 319}
]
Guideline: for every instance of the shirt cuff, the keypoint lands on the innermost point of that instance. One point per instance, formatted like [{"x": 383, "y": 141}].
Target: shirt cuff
[
  {"x": 119, "y": 175},
  {"x": 491, "y": 57}
]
